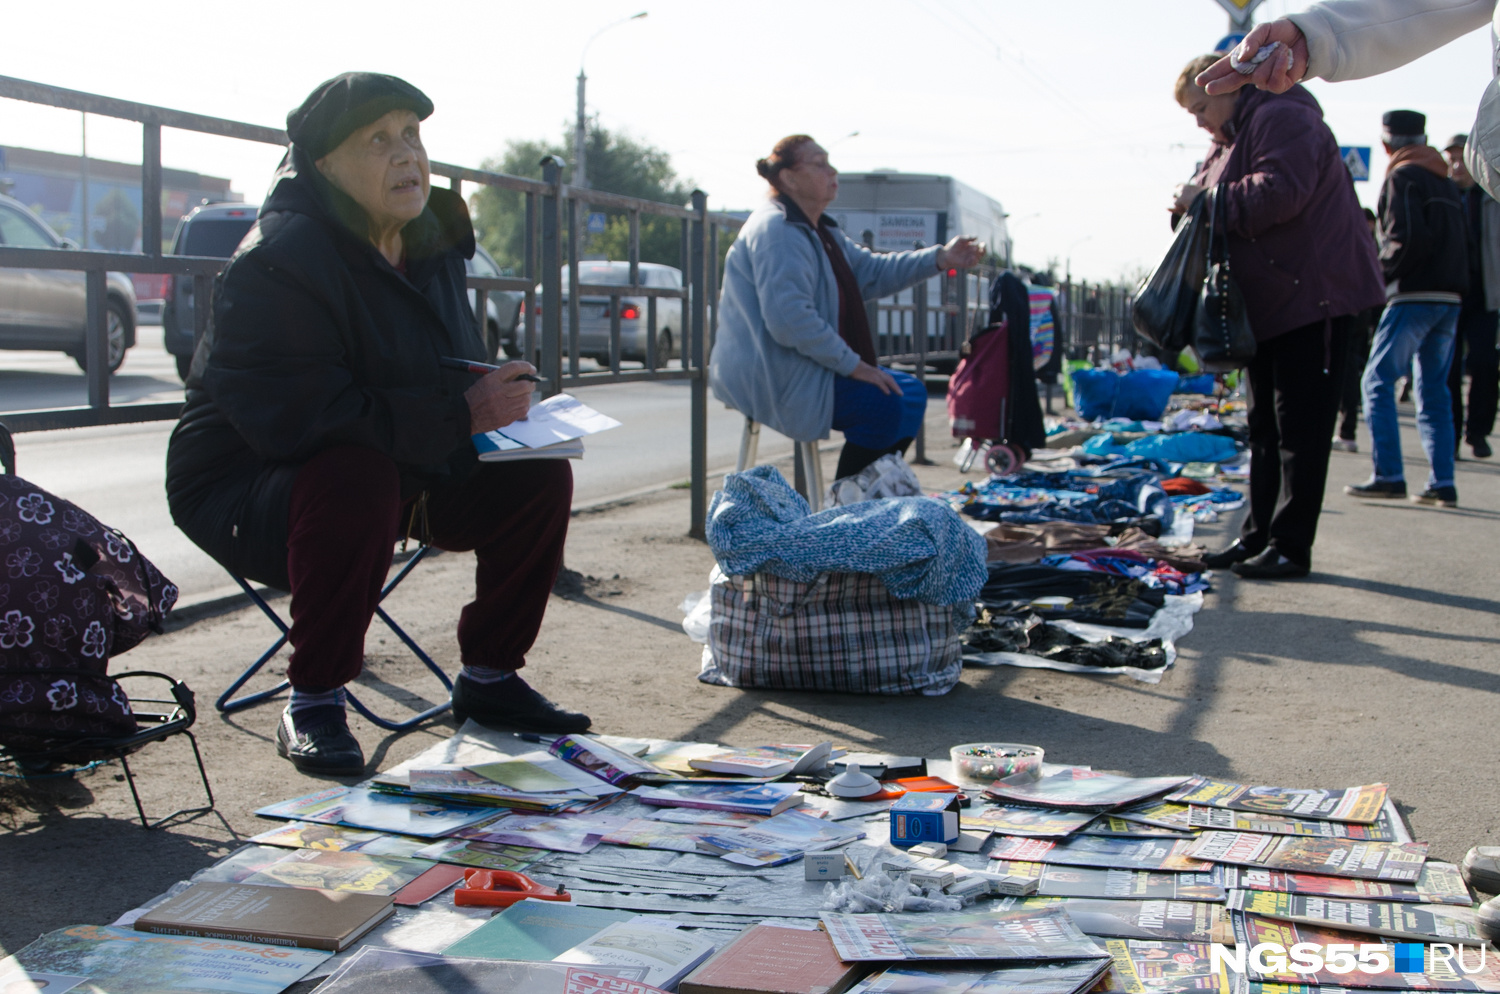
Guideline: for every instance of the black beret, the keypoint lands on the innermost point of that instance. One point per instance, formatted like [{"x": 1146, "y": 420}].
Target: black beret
[
  {"x": 348, "y": 102},
  {"x": 1404, "y": 122}
]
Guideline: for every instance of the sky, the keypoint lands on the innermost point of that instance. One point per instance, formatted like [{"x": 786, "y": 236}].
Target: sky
[{"x": 1061, "y": 110}]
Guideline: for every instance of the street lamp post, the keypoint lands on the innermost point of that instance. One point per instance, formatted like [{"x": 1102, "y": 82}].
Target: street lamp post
[{"x": 580, "y": 138}]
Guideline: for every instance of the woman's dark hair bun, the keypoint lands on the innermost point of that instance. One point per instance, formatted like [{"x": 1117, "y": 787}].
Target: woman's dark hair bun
[{"x": 783, "y": 156}]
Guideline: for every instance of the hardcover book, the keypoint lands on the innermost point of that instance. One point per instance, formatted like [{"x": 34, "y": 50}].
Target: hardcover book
[
  {"x": 305, "y": 917},
  {"x": 770, "y": 959},
  {"x": 651, "y": 953}
]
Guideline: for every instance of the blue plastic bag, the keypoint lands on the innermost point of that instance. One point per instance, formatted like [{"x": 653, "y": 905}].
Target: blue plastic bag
[
  {"x": 1202, "y": 383},
  {"x": 1178, "y": 447},
  {"x": 1140, "y": 394}
]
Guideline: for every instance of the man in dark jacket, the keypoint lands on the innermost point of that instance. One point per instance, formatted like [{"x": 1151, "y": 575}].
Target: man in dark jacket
[
  {"x": 320, "y": 424},
  {"x": 1425, "y": 262},
  {"x": 1474, "y": 342}
]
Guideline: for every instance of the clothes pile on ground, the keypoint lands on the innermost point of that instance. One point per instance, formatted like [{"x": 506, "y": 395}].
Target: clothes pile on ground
[
  {"x": 1091, "y": 569},
  {"x": 601, "y": 865}
]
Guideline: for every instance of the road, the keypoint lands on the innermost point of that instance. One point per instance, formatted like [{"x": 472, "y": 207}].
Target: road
[{"x": 116, "y": 472}]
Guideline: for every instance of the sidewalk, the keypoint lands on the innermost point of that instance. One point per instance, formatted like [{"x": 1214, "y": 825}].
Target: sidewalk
[{"x": 1381, "y": 666}]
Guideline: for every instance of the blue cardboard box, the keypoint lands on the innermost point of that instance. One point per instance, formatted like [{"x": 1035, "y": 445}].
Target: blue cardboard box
[{"x": 922, "y": 816}]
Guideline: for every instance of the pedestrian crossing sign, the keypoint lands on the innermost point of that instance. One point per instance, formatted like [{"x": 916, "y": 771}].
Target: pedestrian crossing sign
[
  {"x": 1240, "y": 10},
  {"x": 1357, "y": 159}
]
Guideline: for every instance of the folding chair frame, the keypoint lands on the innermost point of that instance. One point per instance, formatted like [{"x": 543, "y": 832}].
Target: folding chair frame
[
  {"x": 177, "y": 719},
  {"x": 226, "y": 703}
]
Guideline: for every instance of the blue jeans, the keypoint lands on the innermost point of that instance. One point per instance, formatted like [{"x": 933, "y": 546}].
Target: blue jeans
[
  {"x": 1407, "y": 332},
  {"x": 874, "y": 419}
]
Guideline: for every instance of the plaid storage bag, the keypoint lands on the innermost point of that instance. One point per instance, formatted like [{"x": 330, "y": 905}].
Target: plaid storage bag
[
  {"x": 841, "y": 632},
  {"x": 73, "y": 593}
]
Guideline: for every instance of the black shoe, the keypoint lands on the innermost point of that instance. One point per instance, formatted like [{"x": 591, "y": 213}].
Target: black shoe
[
  {"x": 1437, "y": 496},
  {"x": 1270, "y": 565},
  {"x": 1488, "y": 919},
  {"x": 1481, "y": 448},
  {"x": 513, "y": 703},
  {"x": 1235, "y": 553},
  {"x": 1481, "y": 869},
  {"x": 1377, "y": 489},
  {"x": 323, "y": 744}
]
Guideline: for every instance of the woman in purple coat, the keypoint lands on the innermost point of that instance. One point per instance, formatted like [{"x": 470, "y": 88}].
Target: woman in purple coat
[{"x": 1304, "y": 260}]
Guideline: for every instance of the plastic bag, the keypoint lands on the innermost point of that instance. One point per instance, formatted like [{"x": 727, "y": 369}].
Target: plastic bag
[
  {"x": 1166, "y": 303},
  {"x": 1141, "y": 394}
]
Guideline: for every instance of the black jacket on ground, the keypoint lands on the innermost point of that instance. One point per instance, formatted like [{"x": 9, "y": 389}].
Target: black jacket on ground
[
  {"x": 317, "y": 341},
  {"x": 1423, "y": 246}
]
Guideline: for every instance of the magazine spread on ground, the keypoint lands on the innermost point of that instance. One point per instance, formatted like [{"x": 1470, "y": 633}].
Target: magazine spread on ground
[
  {"x": 1181, "y": 921},
  {"x": 483, "y": 855},
  {"x": 1084, "y": 881},
  {"x": 756, "y": 798},
  {"x": 355, "y": 872},
  {"x": 1067, "y": 977},
  {"x": 1413, "y": 922},
  {"x": 337, "y": 838},
  {"x": 1387, "y": 828},
  {"x": 1438, "y": 883},
  {"x": 1102, "y": 851},
  {"x": 124, "y": 961},
  {"x": 1127, "y": 829},
  {"x": 1031, "y": 822},
  {"x": 1250, "y": 930},
  {"x": 1139, "y": 966},
  {"x": 1079, "y": 789},
  {"x": 1044, "y": 934},
  {"x": 779, "y": 839},
  {"x": 1163, "y": 814},
  {"x": 388, "y": 971},
  {"x": 1356, "y": 804},
  {"x": 1400, "y": 862},
  {"x": 370, "y": 809}
]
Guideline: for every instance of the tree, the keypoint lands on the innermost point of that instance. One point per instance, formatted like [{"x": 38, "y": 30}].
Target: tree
[
  {"x": 122, "y": 221},
  {"x": 617, "y": 163}
]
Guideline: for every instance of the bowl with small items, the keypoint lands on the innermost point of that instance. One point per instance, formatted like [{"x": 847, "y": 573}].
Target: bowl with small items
[{"x": 986, "y": 762}]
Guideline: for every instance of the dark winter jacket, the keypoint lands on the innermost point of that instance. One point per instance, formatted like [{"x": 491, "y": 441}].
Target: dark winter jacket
[
  {"x": 317, "y": 341},
  {"x": 1298, "y": 242},
  {"x": 1423, "y": 247}
]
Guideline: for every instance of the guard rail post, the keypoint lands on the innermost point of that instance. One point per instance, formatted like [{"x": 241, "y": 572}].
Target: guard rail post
[
  {"x": 551, "y": 343},
  {"x": 919, "y": 332},
  {"x": 698, "y": 447}
]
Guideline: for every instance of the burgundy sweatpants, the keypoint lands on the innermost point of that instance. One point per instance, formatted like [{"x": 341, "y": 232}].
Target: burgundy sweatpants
[{"x": 345, "y": 514}]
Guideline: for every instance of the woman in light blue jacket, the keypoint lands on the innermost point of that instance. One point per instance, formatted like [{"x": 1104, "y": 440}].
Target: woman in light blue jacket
[{"x": 794, "y": 349}]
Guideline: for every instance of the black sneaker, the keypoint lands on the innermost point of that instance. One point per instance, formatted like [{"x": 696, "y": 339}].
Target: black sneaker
[
  {"x": 1270, "y": 565},
  {"x": 1481, "y": 448},
  {"x": 1488, "y": 919},
  {"x": 320, "y": 744},
  {"x": 1378, "y": 489},
  {"x": 1234, "y": 553},
  {"x": 1437, "y": 496},
  {"x": 513, "y": 703}
]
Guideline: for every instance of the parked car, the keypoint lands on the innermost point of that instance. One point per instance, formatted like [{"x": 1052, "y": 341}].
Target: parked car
[
  {"x": 212, "y": 230},
  {"x": 502, "y": 307},
  {"x": 45, "y": 309},
  {"x": 594, "y": 316}
]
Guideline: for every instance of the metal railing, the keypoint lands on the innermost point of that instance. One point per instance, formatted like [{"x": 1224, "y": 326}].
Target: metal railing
[{"x": 552, "y": 240}]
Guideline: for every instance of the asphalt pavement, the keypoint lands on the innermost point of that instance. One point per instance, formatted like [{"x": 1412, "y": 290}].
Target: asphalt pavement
[
  {"x": 1380, "y": 667},
  {"x": 117, "y": 471}
]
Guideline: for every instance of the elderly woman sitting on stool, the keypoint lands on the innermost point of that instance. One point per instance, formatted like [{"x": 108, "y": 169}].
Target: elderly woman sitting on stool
[
  {"x": 794, "y": 349},
  {"x": 320, "y": 425}
]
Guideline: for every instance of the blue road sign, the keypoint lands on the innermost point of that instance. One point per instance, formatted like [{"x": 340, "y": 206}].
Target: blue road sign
[
  {"x": 1357, "y": 159},
  {"x": 596, "y": 221},
  {"x": 1227, "y": 42}
]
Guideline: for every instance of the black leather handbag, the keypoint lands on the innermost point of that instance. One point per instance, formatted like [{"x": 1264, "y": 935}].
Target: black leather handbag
[{"x": 1222, "y": 337}]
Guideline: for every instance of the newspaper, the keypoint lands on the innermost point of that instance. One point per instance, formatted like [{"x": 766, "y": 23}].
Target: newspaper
[
  {"x": 1356, "y": 804},
  {"x": 1397, "y": 861}
]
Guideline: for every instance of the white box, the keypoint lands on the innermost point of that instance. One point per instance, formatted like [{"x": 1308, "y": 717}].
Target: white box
[{"x": 823, "y": 865}]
